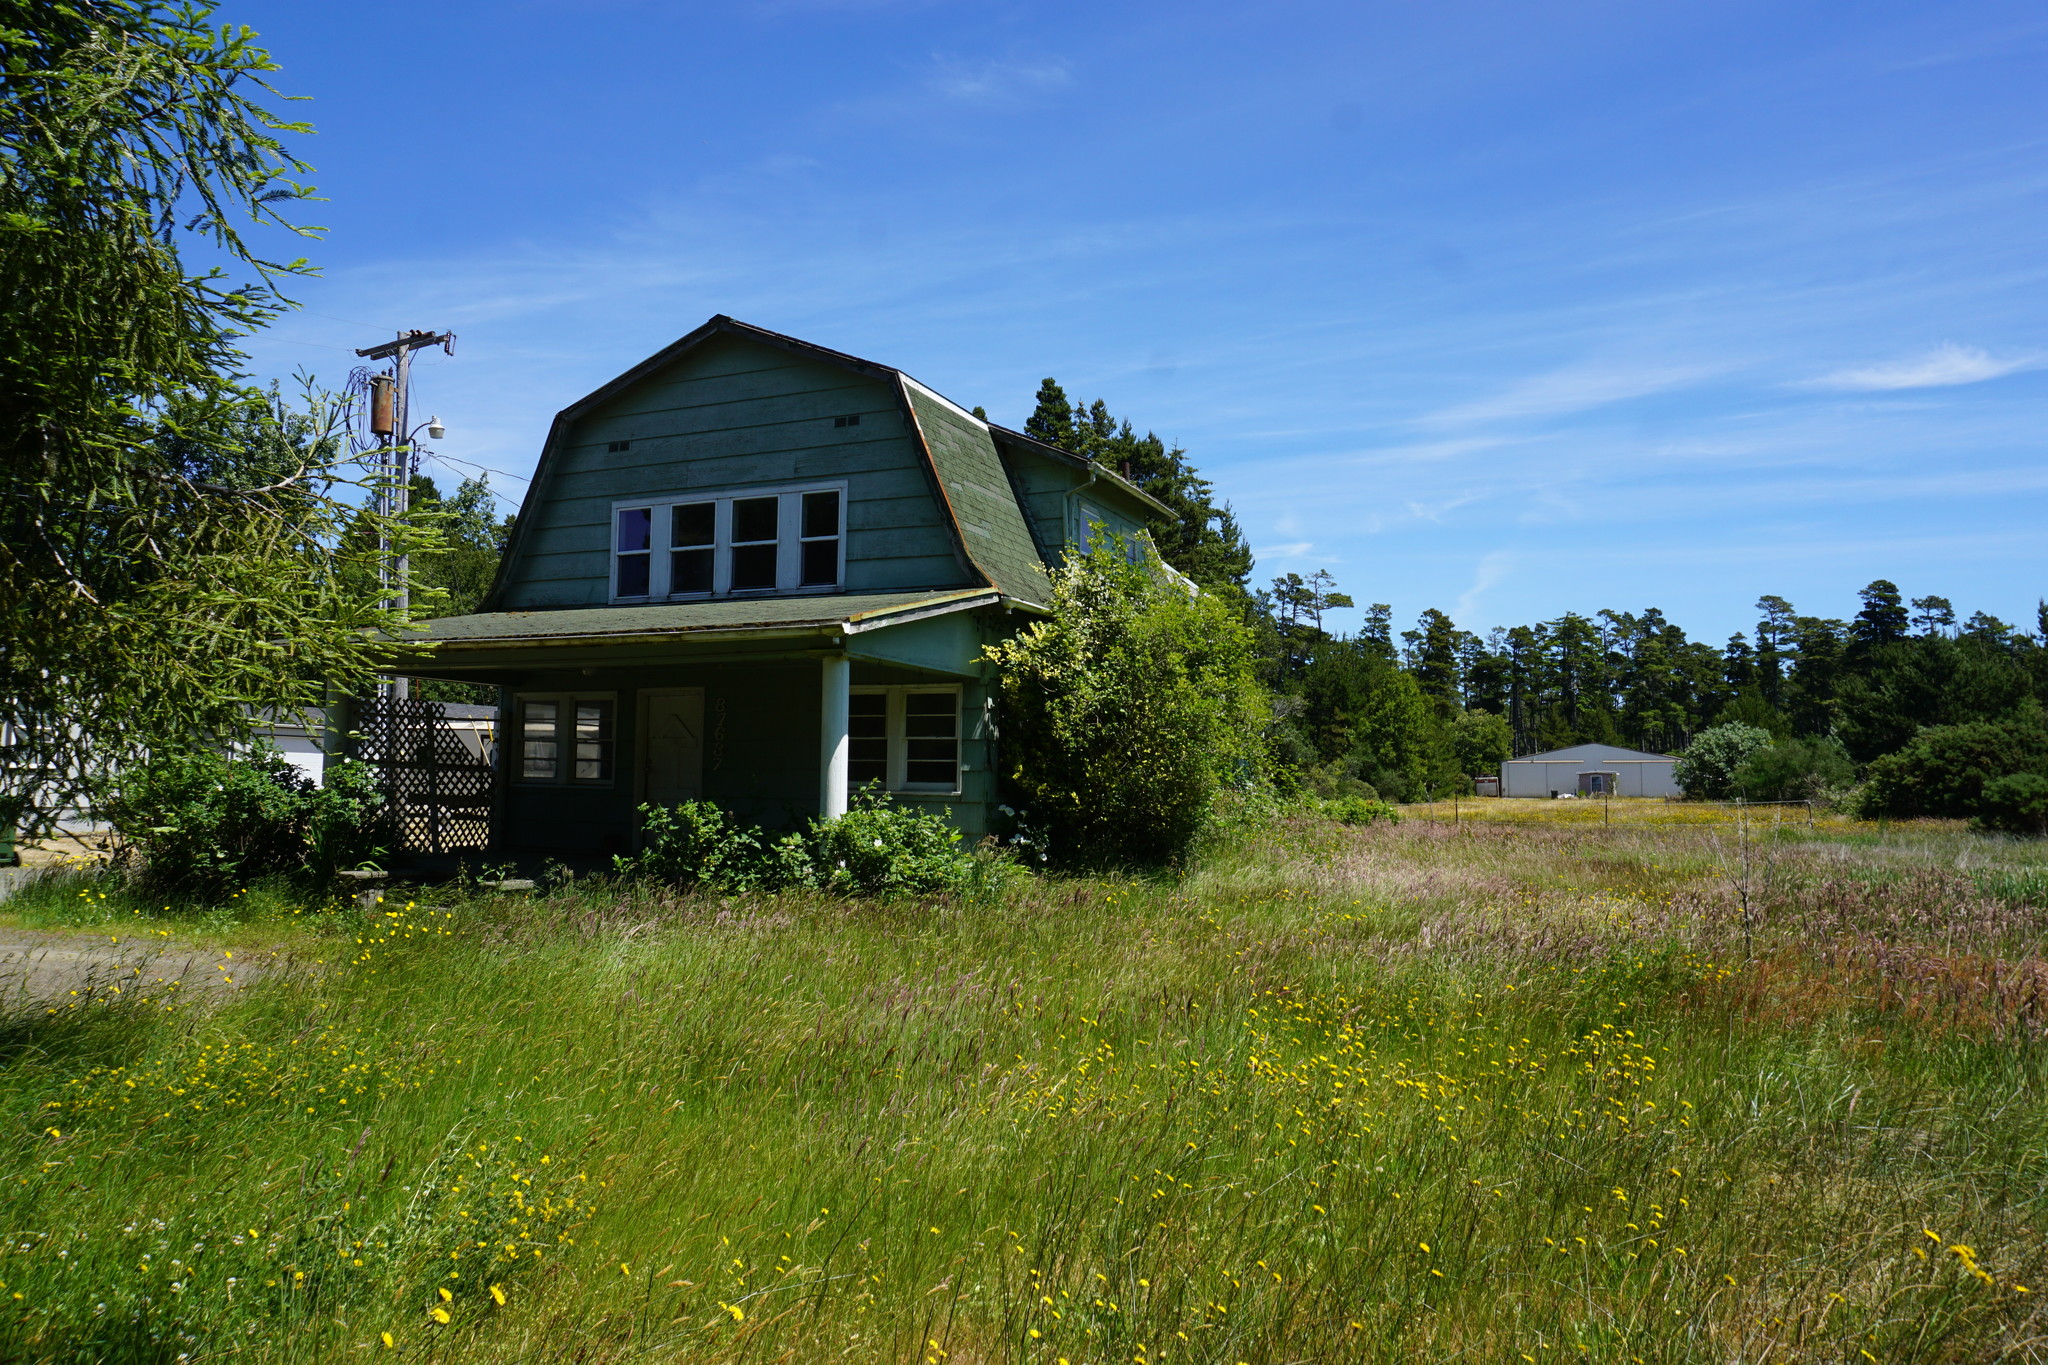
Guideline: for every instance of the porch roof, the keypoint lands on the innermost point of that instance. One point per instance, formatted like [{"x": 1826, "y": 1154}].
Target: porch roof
[{"x": 846, "y": 613}]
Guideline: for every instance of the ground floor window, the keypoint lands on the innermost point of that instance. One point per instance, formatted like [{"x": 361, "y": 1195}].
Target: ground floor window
[
  {"x": 906, "y": 738},
  {"x": 566, "y": 738}
]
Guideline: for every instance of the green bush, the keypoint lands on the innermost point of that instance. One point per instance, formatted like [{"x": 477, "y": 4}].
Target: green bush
[
  {"x": 1359, "y": 810},
  {"x": 1946, "y": 769},
  {"x": 2016, "y": 803},
  {"x": 1794, "y": 770},
  {"x": 1706, "y": 767},
  {"x": 1127, "y": 712},
  {"x": 202, "y": 824},
  {"x": 878, "y": 848},
  {"x": 696, "y": 843}
]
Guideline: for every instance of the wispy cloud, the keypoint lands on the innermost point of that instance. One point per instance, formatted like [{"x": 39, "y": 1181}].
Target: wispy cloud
[
  {"x": 999, "y": 81},
  {"x": 1493, "y": 567},
  {"x": 1559, "y": 393},
  {"x": 1299, "y": 549},
  {"x": 1945, "y": 365}
]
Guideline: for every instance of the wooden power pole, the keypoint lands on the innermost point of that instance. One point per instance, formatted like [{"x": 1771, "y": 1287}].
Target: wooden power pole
[{"x": 390, "y": 401}]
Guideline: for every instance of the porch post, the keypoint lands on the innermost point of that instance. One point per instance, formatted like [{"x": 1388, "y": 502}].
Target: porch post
[{"x": 835, "y": 711}]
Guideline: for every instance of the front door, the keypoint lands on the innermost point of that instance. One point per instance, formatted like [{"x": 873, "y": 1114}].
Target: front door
[{"x": 672, "y": 745}]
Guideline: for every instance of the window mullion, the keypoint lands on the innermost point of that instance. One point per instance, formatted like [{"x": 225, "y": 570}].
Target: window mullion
[
  {"x": 788, "y": 541},
  {"x": 898, "y": 749},
  {"x": 660, "y": 555},
  {"x": 721, "y": 556}
]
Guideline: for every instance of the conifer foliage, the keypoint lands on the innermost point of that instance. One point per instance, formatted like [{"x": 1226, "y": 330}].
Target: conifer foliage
[{"x": 171, "y": 563}]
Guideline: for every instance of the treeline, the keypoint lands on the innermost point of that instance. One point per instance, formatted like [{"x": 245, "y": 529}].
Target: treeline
[{"x": 1424, "y": 710}]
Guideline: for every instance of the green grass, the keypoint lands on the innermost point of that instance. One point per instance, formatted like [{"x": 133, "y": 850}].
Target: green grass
[{"x": 1423, "y": 1092}]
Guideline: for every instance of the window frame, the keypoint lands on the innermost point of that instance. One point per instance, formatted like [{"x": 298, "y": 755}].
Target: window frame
[
  {"x": 789, "y": 552},
  {"x": 565, "y": 740},
  {"x": 898, "y": 741}
]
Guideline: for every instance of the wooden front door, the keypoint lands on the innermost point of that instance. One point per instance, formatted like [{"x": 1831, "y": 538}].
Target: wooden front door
[{"x": 672, "y": 745}]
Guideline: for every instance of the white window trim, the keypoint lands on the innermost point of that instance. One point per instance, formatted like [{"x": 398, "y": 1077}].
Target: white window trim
[
  {"x": 899, "y": 743},
  {"x": 565, "y": 739},
  {"x": 789, "y": 542}
]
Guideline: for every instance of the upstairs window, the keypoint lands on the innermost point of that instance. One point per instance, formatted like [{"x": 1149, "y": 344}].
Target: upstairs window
[
  {"x": 713, "y": 545},
  {"x": 906, "y": 738}
]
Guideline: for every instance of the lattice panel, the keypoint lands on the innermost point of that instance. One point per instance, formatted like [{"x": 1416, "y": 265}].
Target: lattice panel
[{"x": 437, "y": 788}]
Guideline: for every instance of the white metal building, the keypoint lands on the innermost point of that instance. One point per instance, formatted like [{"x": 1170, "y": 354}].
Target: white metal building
[{"x": 1589, "y": 770}]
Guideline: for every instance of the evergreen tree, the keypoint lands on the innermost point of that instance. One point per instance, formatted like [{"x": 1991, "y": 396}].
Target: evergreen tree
[
  {"x": 1202, "y": 539},
  {"x": 1052, "y": 419},
  {"x": 1934, "y": 615},
  {"x": 1883, "y": 618},
  {"x": 1432, "y": 656}
]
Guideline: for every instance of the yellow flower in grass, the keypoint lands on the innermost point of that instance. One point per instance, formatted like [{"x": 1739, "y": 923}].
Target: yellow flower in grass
[
  {"x": 440, "y": 1315},
  {"x": 498, "y": 1295}
]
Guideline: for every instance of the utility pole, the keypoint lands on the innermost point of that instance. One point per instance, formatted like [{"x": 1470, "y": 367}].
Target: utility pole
[{"x": 390, "y": 402}]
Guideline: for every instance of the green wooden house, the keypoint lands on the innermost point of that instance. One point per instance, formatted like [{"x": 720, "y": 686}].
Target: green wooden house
[{"x": 760, "y": 572}]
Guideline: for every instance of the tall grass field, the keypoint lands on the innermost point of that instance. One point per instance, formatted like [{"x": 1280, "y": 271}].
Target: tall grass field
[{"x": 1541, "y": 1089}]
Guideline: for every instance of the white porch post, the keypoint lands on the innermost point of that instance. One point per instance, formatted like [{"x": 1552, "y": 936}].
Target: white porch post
[{"x": 835, "y": 712}]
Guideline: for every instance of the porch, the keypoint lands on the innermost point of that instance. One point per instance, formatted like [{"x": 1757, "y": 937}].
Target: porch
[{"x": 775, "y": 721}]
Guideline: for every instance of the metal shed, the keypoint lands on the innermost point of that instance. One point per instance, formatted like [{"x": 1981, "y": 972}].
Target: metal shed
[{"x": 1589, "y": 770}]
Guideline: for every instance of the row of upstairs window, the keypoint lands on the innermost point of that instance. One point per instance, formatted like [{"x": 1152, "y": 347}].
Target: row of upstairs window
[{"x": 788, "y": 540}]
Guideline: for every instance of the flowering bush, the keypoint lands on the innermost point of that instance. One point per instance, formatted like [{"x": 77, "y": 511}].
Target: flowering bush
[
  {"x": 1706, "y": 767},
  {"x": 1128, "y": 711}
]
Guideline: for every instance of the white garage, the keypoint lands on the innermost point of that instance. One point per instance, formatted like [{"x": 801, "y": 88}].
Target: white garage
[{"x": 1589, "y": 770}]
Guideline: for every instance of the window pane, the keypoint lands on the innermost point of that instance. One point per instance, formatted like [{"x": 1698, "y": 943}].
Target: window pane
[
  {"x": 693, "y": 523},
  {"x": 537, "y": 739},
  {"x": 754, "y": 518},
  {"x": 689, "y": 571},
  {"x": 868, "y": 728},
  {"x": 931, "y": 745},
  {"x": 633, "y": 575},
  {"x": 593, "y": 741},
  {"x": 931, "y": 774},
  {"x": 821, "y": 563},
  {"x": 930, "y": 713},
  {"x": 753, "y": 566},
  {"x": 634, "y": 524},
  {"x": 821, "y": 513}
]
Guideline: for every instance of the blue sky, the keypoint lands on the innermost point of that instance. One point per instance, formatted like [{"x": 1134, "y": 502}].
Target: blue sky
[{"x": 1506, "y": 309}]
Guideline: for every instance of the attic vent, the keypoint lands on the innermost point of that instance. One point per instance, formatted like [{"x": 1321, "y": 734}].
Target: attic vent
[
  {"x": 616, "y": 446},
  {"x": 852, "y": 419}
]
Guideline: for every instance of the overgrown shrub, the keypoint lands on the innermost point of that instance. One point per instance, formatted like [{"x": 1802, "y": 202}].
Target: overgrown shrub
[
  {"x": 1359, "y": 810},
  {"x": 1794, "y": 770},
  {"x": 201, "y": 824},
  {"x": 1946, "y": 769},
  {"x": 697, "y": 843},
  {"x": 2016, "y": 803},
  {"x": 1127, "y": 711},
  {"x": 878, "y": 848},
  {"x": 1706, "y": 767}
]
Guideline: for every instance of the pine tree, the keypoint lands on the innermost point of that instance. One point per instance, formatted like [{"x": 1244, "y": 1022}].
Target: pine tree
[{"x": 1052, "y": 420}]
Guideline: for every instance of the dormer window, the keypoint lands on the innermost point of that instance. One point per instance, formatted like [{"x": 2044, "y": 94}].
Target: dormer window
[{"x": 721, "y": 544}]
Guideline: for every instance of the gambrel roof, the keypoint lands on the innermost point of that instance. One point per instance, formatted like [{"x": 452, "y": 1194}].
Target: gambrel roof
[{"x": 972, "y": 484}]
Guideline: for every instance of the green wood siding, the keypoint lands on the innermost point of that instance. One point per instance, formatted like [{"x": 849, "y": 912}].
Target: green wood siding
[
  {"x": 733, "y": 413},
  {"x": 761, "y": 752}
]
